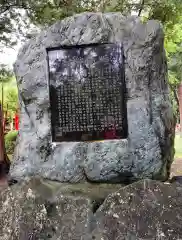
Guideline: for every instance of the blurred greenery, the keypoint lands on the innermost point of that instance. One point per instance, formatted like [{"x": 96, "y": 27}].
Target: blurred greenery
[
  {"x": 10, "y": 99},
  {"x": 10, "y": 141},
  {"x": 178, "y": 146}
]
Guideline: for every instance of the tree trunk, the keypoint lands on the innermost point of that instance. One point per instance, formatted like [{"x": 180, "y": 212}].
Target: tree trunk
[
  {"x": 4, "y": 161},
  {"x": 11, "y": 125},
  {"x": 1, "y": 136},
  {"x": 180, "y": 104},
  {"x": 5, "y": 119},
  {"x": 141, "y": 8}
]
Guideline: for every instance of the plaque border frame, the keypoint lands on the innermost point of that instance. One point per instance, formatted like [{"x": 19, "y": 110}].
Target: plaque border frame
[{"x": 124, "y": 99}]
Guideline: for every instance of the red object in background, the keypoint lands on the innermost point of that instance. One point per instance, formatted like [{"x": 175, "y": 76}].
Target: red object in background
[{"x": 16, "y": 122}]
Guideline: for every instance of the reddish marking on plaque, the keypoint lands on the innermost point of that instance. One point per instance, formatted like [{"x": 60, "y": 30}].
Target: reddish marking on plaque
[{"x": 110, "y": 134}]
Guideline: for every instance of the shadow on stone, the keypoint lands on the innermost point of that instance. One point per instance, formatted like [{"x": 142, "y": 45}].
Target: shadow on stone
[{"x": 177, "y": 179}]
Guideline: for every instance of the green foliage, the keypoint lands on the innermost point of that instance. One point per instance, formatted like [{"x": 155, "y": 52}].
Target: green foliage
[
  {"x": 46, "y": 12},
  {"x": 173, "y": 38},
  {"x": 10, "y": 93},
  {"x": 174, "y": 53},
  {"x": 11, "y": 101},
  {"x": 175, "y": 65},
  {"x": 8, "y": 87},
  {"x": 9, "y": 19},
  {"x": 10, "y": 141},
  {"x": 6, "y": 75},
  {"x": 166, "y": 11},
  {"x": 11, "y": 136}
]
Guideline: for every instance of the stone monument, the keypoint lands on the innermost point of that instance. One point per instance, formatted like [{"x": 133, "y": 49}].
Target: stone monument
[{"x": 82, "y": 76}]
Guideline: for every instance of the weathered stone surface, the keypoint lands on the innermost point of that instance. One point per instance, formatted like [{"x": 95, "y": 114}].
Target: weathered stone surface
[
  {"x": 143, "y": 210},
  {"x": 43, "y": 210},
  {"x": 146, "y": 153},
  {"x": 48, "y": 210}
]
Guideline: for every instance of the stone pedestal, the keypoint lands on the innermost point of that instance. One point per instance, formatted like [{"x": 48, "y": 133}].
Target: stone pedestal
[{"x": 43, "y": 210}]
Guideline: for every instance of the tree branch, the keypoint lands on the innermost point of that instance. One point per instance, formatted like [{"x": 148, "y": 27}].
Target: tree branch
[
  {"x": 141, "y": 8},
  {"x": 17, "y": 6}
]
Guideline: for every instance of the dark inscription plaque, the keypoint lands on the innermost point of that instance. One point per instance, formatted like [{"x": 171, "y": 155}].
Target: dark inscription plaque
[{"x": 87, "y": 92}]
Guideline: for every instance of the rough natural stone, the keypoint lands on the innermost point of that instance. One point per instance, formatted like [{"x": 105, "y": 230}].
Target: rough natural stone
[
  {"x": 177, "y": 179},
  {"x": 146, "y": 153},
  {"x": 43, "y": 210},
  {"x": 143, "y": 210}
]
